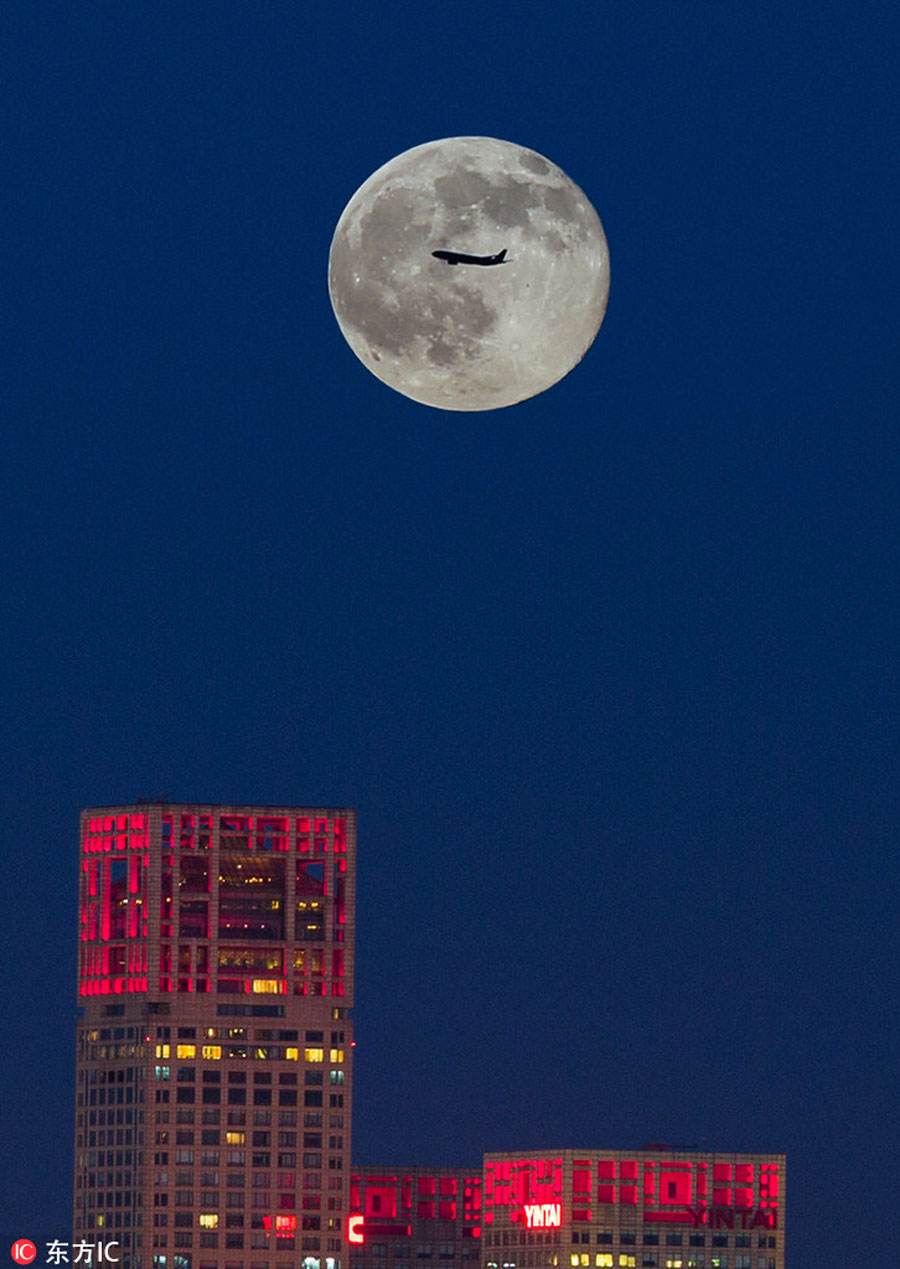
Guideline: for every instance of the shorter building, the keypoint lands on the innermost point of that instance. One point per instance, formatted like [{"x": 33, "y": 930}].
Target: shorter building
[
  {"x": 655, "y": 1208},
  {"x": 415, "y": 1218}
]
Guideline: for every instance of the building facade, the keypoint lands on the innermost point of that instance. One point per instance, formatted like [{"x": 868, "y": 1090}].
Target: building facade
[
  {"x": 655, "y": 1208},
  {"x": 214, "y": 1043},
  {"x": 415, "y": 1218}
]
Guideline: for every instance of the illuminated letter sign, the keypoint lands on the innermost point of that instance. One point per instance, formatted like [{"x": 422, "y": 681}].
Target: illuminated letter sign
[
  {"x": 542, "y": 1215},
  {"x": 355, "y": 1229}
]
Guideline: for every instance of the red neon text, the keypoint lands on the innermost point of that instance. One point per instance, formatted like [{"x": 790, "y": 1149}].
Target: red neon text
[
  {"x": 717, "y": 1217},
  {"x": 542, "y": 1215},
  {"x": 355, "y": 1229}
]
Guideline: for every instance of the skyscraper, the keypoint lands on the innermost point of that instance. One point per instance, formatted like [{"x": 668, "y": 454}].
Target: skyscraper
[{"x": 214, "y": 1075}]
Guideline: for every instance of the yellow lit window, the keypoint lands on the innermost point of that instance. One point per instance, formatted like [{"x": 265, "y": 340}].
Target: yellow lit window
[
  {"x": 208, "y": 1220},
  {"x": 212, "y": 1051},
  {"x": 629, "y": 1260},
  {"x": 336, "y": 1055},
  {"x": 604, "y": 1258},
  {"x": 267, "y": 986},
  {"x": 185, "y": 1050},
  {"x": 234, "y": 1138},
  {"x": 573, "y": 1259},
  {"x": 162, "y": 1050},
  {"x": 673, "y": 1264},
  {"x": 585, "y": 1258},
  {"x": 314, "y": 1055},
  {"x": 292, "y": 1055}
]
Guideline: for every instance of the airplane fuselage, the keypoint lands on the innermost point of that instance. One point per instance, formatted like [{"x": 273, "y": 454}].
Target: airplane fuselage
[{"x": 460, "y": 257}]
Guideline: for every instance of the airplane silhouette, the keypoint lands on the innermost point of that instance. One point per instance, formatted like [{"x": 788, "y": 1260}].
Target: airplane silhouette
[{"x": 459, "y": 257}]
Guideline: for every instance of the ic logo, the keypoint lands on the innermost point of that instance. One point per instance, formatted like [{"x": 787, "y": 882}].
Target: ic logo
[{"x": 23, "y": 1251}]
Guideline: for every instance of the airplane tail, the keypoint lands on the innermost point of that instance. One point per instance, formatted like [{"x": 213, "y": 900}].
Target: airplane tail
[{"x": 501, "y": 256}]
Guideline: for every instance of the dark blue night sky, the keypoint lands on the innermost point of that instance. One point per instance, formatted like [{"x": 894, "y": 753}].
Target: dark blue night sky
[{"x": 610, "y": 676}]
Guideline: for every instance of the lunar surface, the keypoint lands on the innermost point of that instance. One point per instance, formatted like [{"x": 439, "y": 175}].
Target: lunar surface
[{"x": 469, "y": 336}]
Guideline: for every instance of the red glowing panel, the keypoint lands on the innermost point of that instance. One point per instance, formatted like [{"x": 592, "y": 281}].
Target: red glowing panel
[
  {"x": 722, "y": 1198},
  {"x": 381, "y": 1200},
  {"x": 581, "y": 1181},
  {"x": 768, "y": 1186},
  {"x": 721, "y": 1171},
  {"x": 743, "y": 1197},
  {"x": 606, "y": 1194},
  {"x": 628, "y": 1194},
  {"x": 543, "y": 1215},
  {"x": 743, "y": 1173},
  {"x": 628, "y": 1171},
  {"x": 355, "y": 1229},
  {"x": 448, "y": 1186},
  {"x": 675, "y": 1187},
  {"x": 447, "y": 1210},
  {"x": 606, "y": 1169}
]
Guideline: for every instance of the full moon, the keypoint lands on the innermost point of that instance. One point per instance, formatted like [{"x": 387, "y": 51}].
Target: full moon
[{"x": 476, "y": 333}]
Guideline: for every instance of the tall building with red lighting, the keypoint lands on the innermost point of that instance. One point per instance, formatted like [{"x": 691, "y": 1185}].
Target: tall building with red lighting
[{"x": 214, "y": 1076}]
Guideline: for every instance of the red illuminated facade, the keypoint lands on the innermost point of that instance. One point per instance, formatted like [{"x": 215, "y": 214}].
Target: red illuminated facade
[
  {"x": 655, "y": 1208},
  {"x": 410, "y": 1218},
  {"x": 215, "y": 980}
]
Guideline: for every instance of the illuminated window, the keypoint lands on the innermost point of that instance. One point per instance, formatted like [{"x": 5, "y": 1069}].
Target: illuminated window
[
  {"x": 185, "y": 1050},
  {"x": 603, "y": 1258},
  {"x": 208, "y": 1220},
  {"x": 234, "y": 1138},
  {"x": 211, "y": 1051},
  {"x": 292, "y": 1055},
  {"x": 336, "y": 1055},
  {"x": 162, "y": 1050},
  {"x": 314, "y": 1055},
  {"x": 628, "y": 1261}
]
